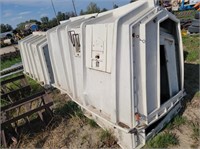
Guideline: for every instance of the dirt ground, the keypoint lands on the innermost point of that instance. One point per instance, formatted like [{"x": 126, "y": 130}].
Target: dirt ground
[
  {"x": 66, "y": 130},
  {"x": 8, "y": 49},
  {"x": 190, "y": 110}
]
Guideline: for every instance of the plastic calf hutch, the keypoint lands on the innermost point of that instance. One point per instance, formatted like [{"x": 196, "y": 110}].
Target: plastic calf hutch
[
  {"x": 35, "y": 58},
  {"x": 124, "y": 67}
]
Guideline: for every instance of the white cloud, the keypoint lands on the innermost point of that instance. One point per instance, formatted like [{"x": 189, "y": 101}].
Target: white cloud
[
  {"x": 16, "y": 18},
  {"x": 24, "y": 13},
  {"x": 7, "y": 14},
  {"x": 43, "y": 15}
]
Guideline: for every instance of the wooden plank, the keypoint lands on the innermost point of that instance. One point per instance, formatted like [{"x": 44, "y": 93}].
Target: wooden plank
[
  {"x": 15, "y": 91},
  {"x": 22, "y": 101},
  {"x": 7, "y": 122}
]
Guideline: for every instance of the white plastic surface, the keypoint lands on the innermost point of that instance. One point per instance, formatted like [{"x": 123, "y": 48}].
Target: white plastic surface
[
  {"x": 109, "y": 64},
  {"x": 34, "y": 53}
]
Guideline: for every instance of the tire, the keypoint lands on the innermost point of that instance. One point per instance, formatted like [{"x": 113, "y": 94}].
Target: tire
[
  {"x": 197, "y": 15},
  {"x": 9, "y": 36},
  {"x": 196, "y": 22},
  {"x": 193, "y": 29}
]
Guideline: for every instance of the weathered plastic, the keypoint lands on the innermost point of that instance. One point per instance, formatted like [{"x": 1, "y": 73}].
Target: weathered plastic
[
  {"x": 124, "y": 67},
  {"x": 111, "y": 65},
  {"x": 35, "y": 58}
]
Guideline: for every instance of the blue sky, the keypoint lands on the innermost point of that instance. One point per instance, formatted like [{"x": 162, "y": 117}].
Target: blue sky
[{"x": 15, "y": 11}]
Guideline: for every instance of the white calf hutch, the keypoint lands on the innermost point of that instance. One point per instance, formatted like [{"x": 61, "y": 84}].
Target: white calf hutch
[
  {"x": 35, "y": 58},
  {"x": 124, "y": 67}
]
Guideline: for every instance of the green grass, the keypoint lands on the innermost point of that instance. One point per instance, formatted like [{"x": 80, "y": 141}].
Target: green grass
[
  {"x": 191, "y": 45},
  {"x": 179, "y": 120},
  {"x": 163, "y": 140},
  {"x": 193, "y": 56},
  {"x": 8, "y": 63},
  {"x": 107, "y": 138},
  {"x": 35, "y": 87},
  {"x": 197, "y": 94},
  {"x": 195, "y": 130},
  {"x": 195, "y": 134},
  {"x": 3, "y": 102},
  {"x": 69, "y": 109},
  {"x": 92, "y": 123},
  {"x": 176, "y": 122}
]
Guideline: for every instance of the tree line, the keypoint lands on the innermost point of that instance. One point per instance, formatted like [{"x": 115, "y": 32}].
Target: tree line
[{"x": 46, "y": 23}]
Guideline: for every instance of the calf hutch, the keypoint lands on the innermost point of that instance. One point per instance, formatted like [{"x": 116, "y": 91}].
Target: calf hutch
[{"x": 124, "y": 67}]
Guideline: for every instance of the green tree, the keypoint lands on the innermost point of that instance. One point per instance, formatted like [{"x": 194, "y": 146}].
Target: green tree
[
  {"x": 5, "y": 28},
  {"x": 53, "y": 23},
  {"x": 82, "y": 12},
  {"x": 92, "y": 8},
  {"x": 115, "y": 6},
  {"x": 69, "y": 15},
  {"x": 44, "y": 20},
  {"x": 104, "y": 9},
  {"x": 60, "y": 16}
]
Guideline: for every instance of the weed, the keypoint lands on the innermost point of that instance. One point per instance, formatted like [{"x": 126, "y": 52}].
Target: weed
[
  {"x": 69, "y": 109},
  {"x": 170, "y": 126},
  {"x": 196, "y": 130},
  {"x": 107, "y": 138},
  {"x": 92, "y": 123},
  {"x": 176, "y": 122},
  {"x": 197, "y": 94},
  {"x": 179, "y": 120},
  {"x": 3, "y": 102},
  {"x": 35, "y": 87},
  {"x": 191, "y": 46},
  {"x": 163, "y": 140},
  {"x": 10, "y": 62},
  {"x": 193, "y": 56}
]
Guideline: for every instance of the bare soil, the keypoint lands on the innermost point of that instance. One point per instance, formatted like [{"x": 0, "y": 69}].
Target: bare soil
[
  {"x": 191, "y": 111},
  {"x": 65, "y": 132}
]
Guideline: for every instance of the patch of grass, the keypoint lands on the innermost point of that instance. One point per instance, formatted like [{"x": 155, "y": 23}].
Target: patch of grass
[
  {"x": 176, "y": 122},
  {"x": 8, "y": 63},
  {"x": 34, "y": 85},
  {"x": 163, "y": 141},
  {"x": 195, "y": 134},
  {"x": 3, "y": 102},
  {"x": 192, "y": 56},
  {"x": 195, "y": 130},
  {"x": 179, "y": 120},
  {"x": 69, "y": 109},
  {"x": 197, "y": 94},
  {"x": 92, "y": 123},
  {"x": 191, "y": 46},
  {"x": 107, "y": 138}
]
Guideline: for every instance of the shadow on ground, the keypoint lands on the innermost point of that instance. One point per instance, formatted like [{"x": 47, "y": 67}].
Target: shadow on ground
[{"x": 191, "y": 85}]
